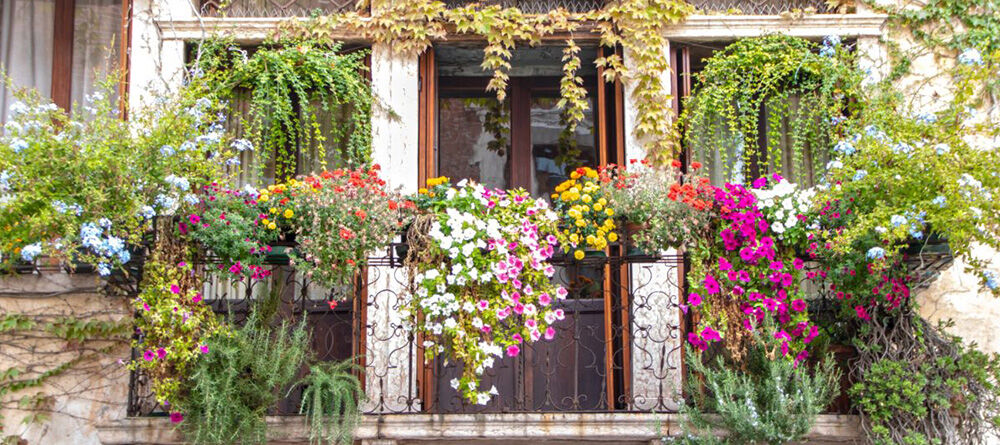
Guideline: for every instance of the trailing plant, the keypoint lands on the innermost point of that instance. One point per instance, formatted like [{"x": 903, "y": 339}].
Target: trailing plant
[
  {"x": 742, "y": 280},
  {"x": 757, "y": 77},
  {"x": 288, "y": 83},
  {"x": 173, "y": 324},
  {"x": 772, "y": 402},
  {"x": 587, "y": 219},
  {"x": 85, "y": 186},
  {"x": 408, "y": 27},
  {"x": 330, "y": 397},
  {"x": 232, "y": 226},
  {"x": 231, "y": 388},
  {"x": 480, "y": 276},
  {"x": 343, "y": 216},
  {"x": 659, "y": 224}
]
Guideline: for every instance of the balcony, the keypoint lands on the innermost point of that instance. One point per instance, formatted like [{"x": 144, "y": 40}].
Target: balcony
[{"x": 619, "y": 349}]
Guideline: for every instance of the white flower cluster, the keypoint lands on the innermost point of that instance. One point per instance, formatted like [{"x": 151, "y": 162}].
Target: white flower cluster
[{"x": 783, "y": 204}]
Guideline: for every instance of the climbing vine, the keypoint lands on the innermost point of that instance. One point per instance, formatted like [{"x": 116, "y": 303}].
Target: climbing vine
[{"x": 635, "y": 25}]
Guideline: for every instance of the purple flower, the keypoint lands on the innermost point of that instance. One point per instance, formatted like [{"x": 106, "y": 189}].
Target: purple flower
[
  {"x": 798, "y": 263},
  {"x": 798, "y": 305},
  {"x": 711, "y": 286},
  {"x": 710, "y": 334},
  {"x": 175, "y": 289},
  {"x": 743, "y": 276},
  {"x": 724, "y": 264},
  {"x": 204, "y": 349},
  {"x": 195, "y": 219},
  {"x": 747, "y": 254},
  {"x": 777, "y": 265},
  {"x": 176, "y": 417},
  {"x": 161, "y": 353},
  {"x": 694, "y": 299}
]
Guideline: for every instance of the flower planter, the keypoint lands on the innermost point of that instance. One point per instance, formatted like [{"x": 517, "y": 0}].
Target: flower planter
[{"x": 628, "y": 238}]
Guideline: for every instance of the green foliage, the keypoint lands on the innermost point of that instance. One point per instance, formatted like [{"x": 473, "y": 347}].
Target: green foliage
[
  {"x": 765, "y": 76},
  {"x": 59, "y": 172},
  {"x": 330, "y": 397},
  {"x": 231, "y": 388},
  {"x": 229, "y": 224},
  {"x": 772, "y": 401},
  {"x": 289, "y": 83},
  {"x": 925, "y": 386}
]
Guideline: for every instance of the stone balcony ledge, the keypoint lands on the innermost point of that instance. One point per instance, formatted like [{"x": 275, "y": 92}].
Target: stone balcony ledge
[{"x": 549, "y": 428}]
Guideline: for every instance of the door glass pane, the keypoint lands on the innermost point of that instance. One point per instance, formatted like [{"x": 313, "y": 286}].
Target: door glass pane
[
  {"x": 473, "y": 140},
  {"x": 555, "y": 151}
]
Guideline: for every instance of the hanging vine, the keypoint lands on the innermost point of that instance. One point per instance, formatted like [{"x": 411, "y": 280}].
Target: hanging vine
[
  {"x": 288, "y": 83},
  {"x": 635, "y": 25},
  {"x": 763, "y": 76}
]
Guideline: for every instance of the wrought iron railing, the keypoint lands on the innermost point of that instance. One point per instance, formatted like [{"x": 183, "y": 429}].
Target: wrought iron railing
[{"x": 619, "y": 348}]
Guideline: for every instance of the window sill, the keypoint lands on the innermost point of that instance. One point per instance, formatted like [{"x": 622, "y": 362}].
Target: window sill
[{"x": 461, "y": 428}]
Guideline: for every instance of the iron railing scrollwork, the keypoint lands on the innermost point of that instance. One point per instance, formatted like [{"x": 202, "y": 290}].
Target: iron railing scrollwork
[{"x": 619, "y": 348}]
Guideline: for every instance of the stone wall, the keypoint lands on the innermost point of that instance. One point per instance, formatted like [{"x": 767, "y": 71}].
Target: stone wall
[{"x": 93, "y": 391}]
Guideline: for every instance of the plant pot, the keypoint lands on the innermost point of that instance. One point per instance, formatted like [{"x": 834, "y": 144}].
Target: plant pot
[{"x": 628, "y": 238}]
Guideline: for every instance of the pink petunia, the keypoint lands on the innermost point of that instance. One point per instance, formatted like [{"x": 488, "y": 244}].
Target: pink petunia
[
  {"x": 513, "y": 350},
  {"x": 175, "y": 289},
  {"x": 711, "y": 285},
  {"x": 710, "y": 334},
  {"x": 694, "y": 299},
  {"x": 195, "y": 219},
  {"x": 550, "y": 333},
  {"x": 544, "y": 299},
  {"x": 196, "y": 298},
  {"x": 176, "y": 417},
  {"x": 148, "y": 356},
  {"x": 798, "y": 263},
  {"x": 798, "y": 305},
  {"x": 161, "y": 353},
  {"x": 204, "y": 349}
]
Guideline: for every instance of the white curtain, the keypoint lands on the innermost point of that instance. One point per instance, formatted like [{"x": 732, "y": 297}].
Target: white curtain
[
  {"x": 26, "y": 34},
  {"x": 96, "y": 43}
]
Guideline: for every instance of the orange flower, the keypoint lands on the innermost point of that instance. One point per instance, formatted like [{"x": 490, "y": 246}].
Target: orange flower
[
  {"x": 393, "y": 205},
  {"x": 346, "y": 233},
  {"x": 361, "y": 214},
  {"x": 696, "y": 165}
]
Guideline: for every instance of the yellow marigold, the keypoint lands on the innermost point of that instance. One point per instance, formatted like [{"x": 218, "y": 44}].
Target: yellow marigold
[
  {"x": 578, "y": 254},
  {"x": 274, "y": 210},
  {"x": 263, "y": 197},
  {"x": 574, "y": 175},
  {"x": 580, "y": 223},
  {"x": 609, "y": 211},
  {"x": 612, "y": 237},
  {"x": 272, "y": 226},
  {"x": 603, "y": 201},
  {"x": 591, "y": 173},
  {"x": 591, "y": 239},
  {"x": 585, "y": 198},
  {"x": 264, "y": 221},
  {"x": 422, "y": 191},
  {"x": 288, "y": 213},
  {"x": 598, "y": 206}
]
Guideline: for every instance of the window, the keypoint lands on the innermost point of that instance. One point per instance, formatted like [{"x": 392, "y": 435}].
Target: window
[
  {"x": 466, "y": 133},
  {"x": 725, "y": 153},
  {"x": 62, "y": 48}
]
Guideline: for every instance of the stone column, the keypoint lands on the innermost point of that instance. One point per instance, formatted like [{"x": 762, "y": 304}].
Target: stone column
[
  {"x": 655, "y": 292},
  {"x": 390, "y": 362},
  {"x": 156, "y": 65}
]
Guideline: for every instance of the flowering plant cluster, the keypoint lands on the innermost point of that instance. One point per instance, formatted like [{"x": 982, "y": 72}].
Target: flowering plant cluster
[
  {"x": 174, "y": 326},
  {"x": 583, "y": 207},
  {"x": 787, "y": 207},
  {"x": 82, "y": 187},
  {"x": 340, "y": 217},
  {"x": 481, "y": 276},
  {"x": 231, "y": 225},
  {"x": 743, "y": 279},
  {"x": 908, "y": 179},
  {"x": 638, "y": 195}
]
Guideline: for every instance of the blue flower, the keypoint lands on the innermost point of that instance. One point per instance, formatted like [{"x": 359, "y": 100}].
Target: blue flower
[
  {"x": 167, "y": 150},
  {"x": 4, "y": 181},
  {"x": 875, "y": 253},
  {"x": 940, "y": 201},
  {"x": 927, "y": 118},
  {"x": 103, "y": 269},
  {"x": 18, "y": 145},
  {"x": 991, "y": 279},
  {"x": 902, "y": 148},
  {"x": 833, "y": 165},
  {"x": 105, "y": 223},
  {"x": 832, "y": 40},
  {"x": 90, "y": 235},
  {"x": 827, "y": 51},
  {"x": 17, "y": 108},
  {"x": 845, "y": 147},
  {"x": 178, "y": 182},
  {"x": 166, "y": 202},
  {"x": 970, "y": 56},
  {"x": 941, "y": 149},
  {"x": 188, "y": 146},
  {"x": 897, "y": 220},
  {"x": 191, "y": 199},
  {"x": 860, "y": 174},
  {"x": 918, "y": 234},
  {"x": 147, "y": 212},
  {"x": 232, "y": 161},
  {"x": 242, "y": 145},
  {"x": 29, "y": 252}
]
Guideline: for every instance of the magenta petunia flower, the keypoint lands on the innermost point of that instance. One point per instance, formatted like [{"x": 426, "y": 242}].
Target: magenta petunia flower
[
  {"x": 798, "y": 305},
  {"x": 798, "y": 263},
  {"x": 204, "y": 349},
  {"x": 195, "y": 219},
  {"x": 710, "y": 334},
  {"x": 694, "y": 299},
  {"x": 176, "y": 417},
  {"x": 148, "y": 355},
  {"x": 711, "y": 286},
  {"x": 513, "y": 350},
  {"x": 196, "y": 298},
  {"x": 175, "y": 289},
  {"x": 777, "y": 265},
  {"x": 550, "y": 333}
]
